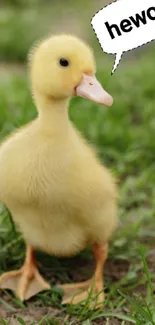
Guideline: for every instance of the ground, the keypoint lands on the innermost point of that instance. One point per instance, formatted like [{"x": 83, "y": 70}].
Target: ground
[{"x": 124, "y": 138}]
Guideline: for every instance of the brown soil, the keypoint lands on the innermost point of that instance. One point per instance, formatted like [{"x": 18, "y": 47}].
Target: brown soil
[{"x": 37, "y": 313}]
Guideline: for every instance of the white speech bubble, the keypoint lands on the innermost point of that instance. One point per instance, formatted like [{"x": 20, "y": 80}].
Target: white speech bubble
[{"x": 124, "y": 25}]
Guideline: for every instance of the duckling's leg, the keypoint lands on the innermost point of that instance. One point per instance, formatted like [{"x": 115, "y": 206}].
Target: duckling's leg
[
  {"x": 93, "y": 288},
  {"x": 26, "y": 281}
]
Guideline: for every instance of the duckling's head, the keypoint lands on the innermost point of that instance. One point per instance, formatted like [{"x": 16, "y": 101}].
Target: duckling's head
[{"x": 63, "y": 66}]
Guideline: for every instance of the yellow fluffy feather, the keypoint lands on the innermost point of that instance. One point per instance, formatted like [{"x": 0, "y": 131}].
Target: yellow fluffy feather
[{"x": 51, "y": 180}]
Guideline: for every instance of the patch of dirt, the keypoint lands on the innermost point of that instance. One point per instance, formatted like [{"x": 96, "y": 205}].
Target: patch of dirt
[
  {"x": 35, "y": 314},
  {"x": 81, "y": 268},
  {"x": 30, "y": 314},
  {"x": 101, "y": 321}
]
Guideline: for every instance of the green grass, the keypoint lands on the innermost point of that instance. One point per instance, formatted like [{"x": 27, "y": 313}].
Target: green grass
[
  {"x": 124, "y": 138},
  {"x": 36, "y": 20}
]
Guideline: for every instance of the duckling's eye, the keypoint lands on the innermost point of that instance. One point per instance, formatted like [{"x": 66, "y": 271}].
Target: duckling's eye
[{"x": 63, "y": 62}]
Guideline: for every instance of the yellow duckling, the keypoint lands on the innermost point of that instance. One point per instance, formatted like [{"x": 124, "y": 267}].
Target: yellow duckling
[{"x": 58, "y": 192}]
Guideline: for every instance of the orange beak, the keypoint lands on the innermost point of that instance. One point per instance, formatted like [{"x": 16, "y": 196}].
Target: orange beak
[{"x": 91, "y": 89}]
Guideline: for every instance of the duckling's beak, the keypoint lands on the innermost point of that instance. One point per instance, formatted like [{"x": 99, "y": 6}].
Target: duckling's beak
[{"x": 90, "y": 88}]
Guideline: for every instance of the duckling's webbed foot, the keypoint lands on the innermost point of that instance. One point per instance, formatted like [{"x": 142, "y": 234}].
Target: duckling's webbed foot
[
  {"x": 27, "y": 281},
  {"x": 92, "y": 290}
]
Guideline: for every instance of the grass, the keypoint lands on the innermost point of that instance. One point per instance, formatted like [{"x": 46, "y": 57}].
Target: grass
[
  {"x": 36, "y": 20},
  {"x": 124, "y": 138}
]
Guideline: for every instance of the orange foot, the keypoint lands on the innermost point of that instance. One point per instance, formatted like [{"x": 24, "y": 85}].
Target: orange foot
[
  {"x": 93, "y": 288},
  {"x": 27, "y": 281}
]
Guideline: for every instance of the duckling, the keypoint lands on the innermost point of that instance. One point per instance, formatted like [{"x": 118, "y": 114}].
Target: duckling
[{"x": 51, "y": 180}]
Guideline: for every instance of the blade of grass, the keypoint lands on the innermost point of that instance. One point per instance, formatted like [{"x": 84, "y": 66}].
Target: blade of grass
[
  {"x": 117, "y": 315},
  {"x": 146, "y": 316},
  {"x": 147, "y": 272}
]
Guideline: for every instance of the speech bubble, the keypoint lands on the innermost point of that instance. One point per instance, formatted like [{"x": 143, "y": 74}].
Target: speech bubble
[{"x": 124, "y": 25}]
